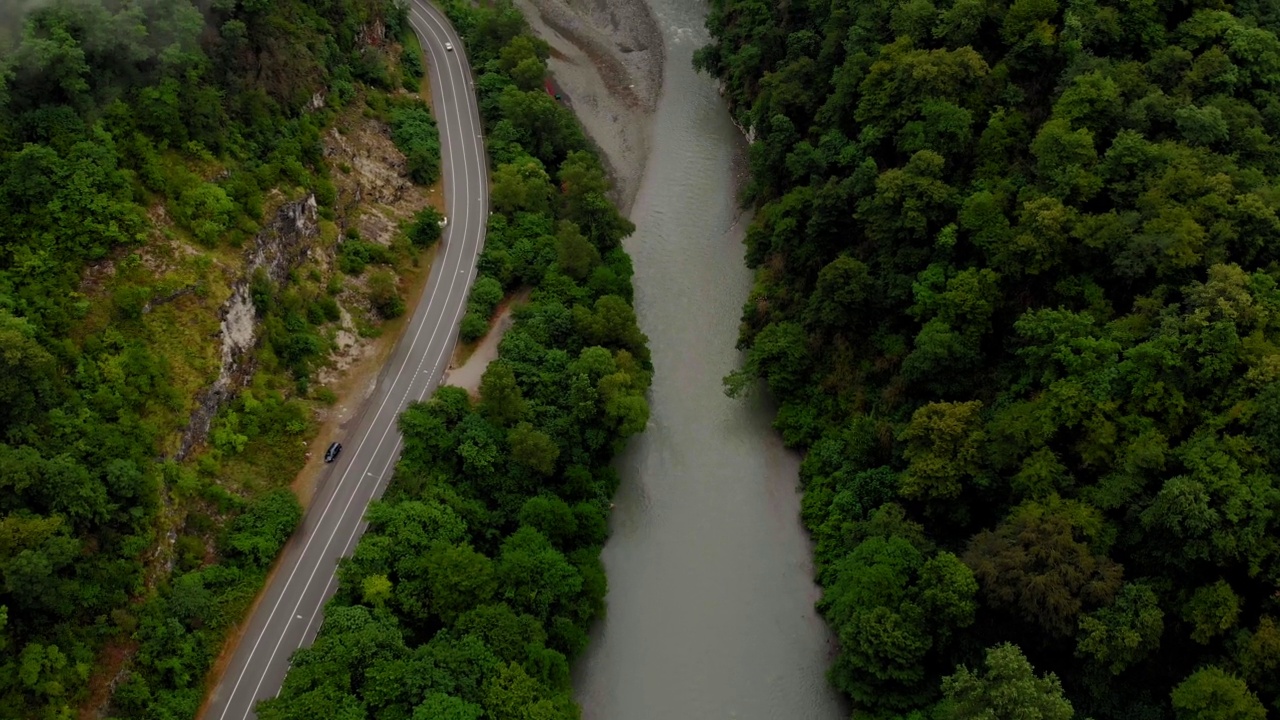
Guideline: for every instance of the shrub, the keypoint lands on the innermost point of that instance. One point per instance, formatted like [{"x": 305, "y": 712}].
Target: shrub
[
  {"x": 411, "y": 65},
  {"x": 326, "y": 193},
  {"x": 384, "y": 295},
  {"x": 414, "y": 131},
  {"x": 474, "y": 326},
  {"x": 130, "y": 300},
  {"x": 485, "y": 296},
  {"x": 370, "y": 66},
  {"x": 355, "y": 255},
  {"x": 426, "y": 229},
  {"x": 258, "y": 534},
  {"x": 329, "y": 308}
]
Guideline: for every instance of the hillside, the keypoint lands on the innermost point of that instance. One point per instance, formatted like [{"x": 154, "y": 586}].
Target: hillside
[
  {"x": 1017, "y": 294},
  {"x": 208, "y": 213}
]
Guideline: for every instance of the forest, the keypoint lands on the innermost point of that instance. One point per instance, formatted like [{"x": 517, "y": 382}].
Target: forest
[
  {"x": 479, "y": 575},
  {"x": 129, "y": 127},
  {"x": 1017, "y": 294}
]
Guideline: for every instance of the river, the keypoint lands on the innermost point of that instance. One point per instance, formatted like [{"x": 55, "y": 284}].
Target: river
[{"x": 710, "y": 604}]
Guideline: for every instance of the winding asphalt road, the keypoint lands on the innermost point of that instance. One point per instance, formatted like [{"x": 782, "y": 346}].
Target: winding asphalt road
[{"x": 288, "y": 615}]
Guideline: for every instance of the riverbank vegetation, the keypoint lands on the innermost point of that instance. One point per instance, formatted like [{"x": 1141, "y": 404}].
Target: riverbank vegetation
[
  {"x": 479, "y": 575},
  {"x": 143, "y": 147},
  {"x": 1017, "y": 293}
]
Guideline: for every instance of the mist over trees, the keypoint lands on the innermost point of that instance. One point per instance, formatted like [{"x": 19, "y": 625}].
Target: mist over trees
[{"x": 1017, "y": 267}]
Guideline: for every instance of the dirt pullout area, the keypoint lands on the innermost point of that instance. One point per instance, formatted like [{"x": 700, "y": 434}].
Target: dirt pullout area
[
  {"x": 474, "y": 359},
  {"x": 607, "y": 60}
]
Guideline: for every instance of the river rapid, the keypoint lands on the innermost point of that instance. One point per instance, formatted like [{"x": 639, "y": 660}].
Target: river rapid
[{"x": 711, "y": 597}]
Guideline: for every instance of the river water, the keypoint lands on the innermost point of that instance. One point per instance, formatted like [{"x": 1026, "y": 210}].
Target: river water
[{"x": 710, "y": 604}]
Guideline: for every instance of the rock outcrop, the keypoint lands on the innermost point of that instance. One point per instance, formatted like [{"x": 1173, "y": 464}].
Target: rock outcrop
[{"x": 279, "y": 248}]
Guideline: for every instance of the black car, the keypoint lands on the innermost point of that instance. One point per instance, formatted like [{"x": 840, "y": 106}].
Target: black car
[{"x": 332, "y": 453}]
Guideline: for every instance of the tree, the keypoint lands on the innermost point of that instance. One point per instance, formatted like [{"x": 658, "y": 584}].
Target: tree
[
  {"x": 524, "y": 59},
  {"x": 473, "y": 327},
  {"x": 438, "y": 706},
  {"x": 1025, "y": 16},
  {"x": 1259, "y": 655},
  {"x": 1125, "y": 632},
  {"x": 1066, "y": 159},
  {"x": 943, "y": 444},
  {"x": 778, "y": 355},
  {"x": 259, "y": 533},
  {"x": 909, "y": 204},
  {"x": 574, "y": 254},
  {"x": 611, "y": 322},
  {"x": 552, "y": 517},
  {"x": 511, "y": 693},
  {"x": 384, "y": 295},
  {"x": 1212, "y": 611},
  {"x": 414, "y": 526},
  {"x": 376, "y": 590},
  {"x": 460, "y": 579},
  {"x": 40, "y": 668},
  {"x": 501, "y": 400},
  {"x": 510, "y": 636},
  {"x": 1006, "y": 689},
  {"x": 583, "y": 188},
  {"x": 845, "y": 289},
  {"x": 1036, "y": 565},
  {"x": 485, "y": 296},
  {"x": 426, "y": 229},
  {"x": 542, "y": 127},
  {"x": 947, "y": 594},
  {"x": 27, "y": 372},
  {"x": 890, "y": 606},
  {"x": 1212, "y": 694},
  {"x": 533, "y": 576},
  {"x": 522, "y": 185},
  {"x": 533, "y": 448}
]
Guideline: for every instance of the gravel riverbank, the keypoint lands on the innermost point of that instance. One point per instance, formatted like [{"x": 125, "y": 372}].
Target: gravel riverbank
[{"x": 607, "y": 59}]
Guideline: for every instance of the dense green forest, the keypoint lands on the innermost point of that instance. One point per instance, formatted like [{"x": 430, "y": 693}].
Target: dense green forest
[
  {"x": 1018, "y": 296},
  {"x": 480, "y": 572},
  {"x": 128, "y": 126}
]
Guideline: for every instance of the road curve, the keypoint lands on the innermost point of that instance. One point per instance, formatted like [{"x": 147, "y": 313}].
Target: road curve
[{"x": 288, "y": 615}]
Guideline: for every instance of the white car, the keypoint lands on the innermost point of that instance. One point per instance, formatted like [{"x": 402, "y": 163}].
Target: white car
[{"x": 448, "y": 46}]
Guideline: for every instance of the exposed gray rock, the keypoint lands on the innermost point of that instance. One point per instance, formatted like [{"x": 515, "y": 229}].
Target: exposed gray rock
[{"x": 279, "y": 248}]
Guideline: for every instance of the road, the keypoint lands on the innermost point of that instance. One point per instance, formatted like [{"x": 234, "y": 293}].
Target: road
[{"x": 288, "y": 615}]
